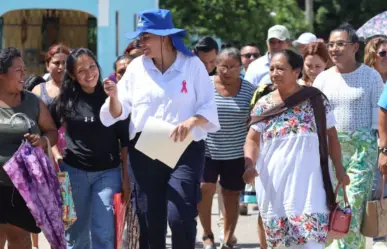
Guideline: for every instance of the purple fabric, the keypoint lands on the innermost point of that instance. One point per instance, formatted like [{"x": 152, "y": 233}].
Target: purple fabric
[
  {"x": 35, "y": 178},
  {"x": 374, "y": 26},
  {"x": 113, "y": 77}
]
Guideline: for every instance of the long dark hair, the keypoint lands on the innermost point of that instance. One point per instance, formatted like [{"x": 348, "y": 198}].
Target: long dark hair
[
  {"x": 32, "y": 81},
  {"x": 70, "y": 89}
]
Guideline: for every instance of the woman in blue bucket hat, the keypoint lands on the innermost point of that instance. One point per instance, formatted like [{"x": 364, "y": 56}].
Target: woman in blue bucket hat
[{"x": 169, "y": 83}]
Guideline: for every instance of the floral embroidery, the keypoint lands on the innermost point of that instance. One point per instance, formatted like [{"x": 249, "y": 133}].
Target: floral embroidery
[
  {"x": 297, "y": 229},
  {"x": 299, "y": 119}
]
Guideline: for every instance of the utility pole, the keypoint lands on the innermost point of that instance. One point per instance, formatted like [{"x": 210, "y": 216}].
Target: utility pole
[{"x": 309, "y": 17}]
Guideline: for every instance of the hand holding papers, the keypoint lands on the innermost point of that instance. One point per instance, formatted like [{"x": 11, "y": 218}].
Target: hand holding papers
[{"x": 156, "y": 143}]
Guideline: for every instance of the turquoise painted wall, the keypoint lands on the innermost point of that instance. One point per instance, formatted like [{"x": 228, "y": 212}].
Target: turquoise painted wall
[{"x": 105, "y": 11}]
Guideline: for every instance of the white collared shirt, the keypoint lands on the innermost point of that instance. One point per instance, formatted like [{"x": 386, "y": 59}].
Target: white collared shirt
[
  {"x": 258, "y": 69},
  {"x": 183, "y": 91}
]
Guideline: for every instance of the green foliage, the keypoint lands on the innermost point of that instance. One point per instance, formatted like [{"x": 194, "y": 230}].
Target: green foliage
[
  {"x": 333, "y": 13},
  {"x": 241, "y": 21},
  {"x": 237, "y": 21}
]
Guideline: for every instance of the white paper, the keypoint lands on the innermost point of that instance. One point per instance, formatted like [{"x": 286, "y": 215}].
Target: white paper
[{"x": 155, "y": 142}]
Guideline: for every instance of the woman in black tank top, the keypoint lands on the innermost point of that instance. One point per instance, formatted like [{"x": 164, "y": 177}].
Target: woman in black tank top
[
  {"x": 55, "y": 65},
  {"x": 16, "y": 221}
]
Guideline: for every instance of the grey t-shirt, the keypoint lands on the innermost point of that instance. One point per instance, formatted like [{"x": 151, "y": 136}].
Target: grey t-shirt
[{"x": 12, "y": 133}]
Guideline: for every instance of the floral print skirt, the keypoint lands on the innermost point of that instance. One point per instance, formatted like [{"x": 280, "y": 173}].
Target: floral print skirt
[{"x": 359, "y": 149}]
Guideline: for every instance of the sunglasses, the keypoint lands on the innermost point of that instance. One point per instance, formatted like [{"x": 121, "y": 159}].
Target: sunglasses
[
  {"x": 249, "y": 55},
  {"x": 382, "y": 53}
]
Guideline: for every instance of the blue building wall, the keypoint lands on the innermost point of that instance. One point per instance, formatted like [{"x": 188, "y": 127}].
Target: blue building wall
[{"x": 104, "y": 11}]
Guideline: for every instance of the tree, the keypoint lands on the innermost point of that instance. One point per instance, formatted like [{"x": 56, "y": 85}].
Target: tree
[
  {"x": 237, "y": 21},
  {"x": 332, "y": 13}
]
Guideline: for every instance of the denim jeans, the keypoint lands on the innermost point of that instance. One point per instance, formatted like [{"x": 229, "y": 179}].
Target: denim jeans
[
  {"x": 377, "y": 179},
  {"x": 93, "y": 194}
]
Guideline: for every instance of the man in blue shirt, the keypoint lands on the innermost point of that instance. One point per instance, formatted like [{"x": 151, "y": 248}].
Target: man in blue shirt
[
  {"x": 249, "y": 53},
  {"x": 278, "y": 38}
]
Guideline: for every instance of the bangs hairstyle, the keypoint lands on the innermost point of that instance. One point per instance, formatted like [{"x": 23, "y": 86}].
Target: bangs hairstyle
[
  {"x": 371, "y": 50},
  {"x": 316, "y": 48},
  {"x": 70, "y": 89},
  {"x": 56, "y": 49}
]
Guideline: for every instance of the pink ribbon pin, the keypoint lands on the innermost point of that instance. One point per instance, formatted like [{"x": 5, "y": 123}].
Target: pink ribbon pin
[{"x": 184, "y": 87}]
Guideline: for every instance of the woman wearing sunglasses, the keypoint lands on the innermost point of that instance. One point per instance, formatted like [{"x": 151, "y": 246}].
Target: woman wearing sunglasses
[{"x": 376, "y": 56}]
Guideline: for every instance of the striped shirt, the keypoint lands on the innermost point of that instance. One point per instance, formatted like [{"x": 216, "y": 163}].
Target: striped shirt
[{"x": 233, "y": 112}]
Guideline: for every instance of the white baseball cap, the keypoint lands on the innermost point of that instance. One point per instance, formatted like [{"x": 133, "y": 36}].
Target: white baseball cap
[
  {"x": 279, "y": 32},
  {"x": 305, "y": 39}
]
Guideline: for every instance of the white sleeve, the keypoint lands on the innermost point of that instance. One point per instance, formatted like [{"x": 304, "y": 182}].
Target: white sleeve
[
  {"x": 205, "y": 100},
  {"x": 330, "y": 117},
  {"x": 258, "y": 127},
  {"x": 319, "y": 81},
  {"x": 125, "y": 99},
  {"x": 331, "y": 120},
  {"x": 252, "y": 76}
]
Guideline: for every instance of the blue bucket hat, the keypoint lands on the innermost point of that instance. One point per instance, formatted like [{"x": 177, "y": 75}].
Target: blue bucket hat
[{"x": 159, "y": 22}]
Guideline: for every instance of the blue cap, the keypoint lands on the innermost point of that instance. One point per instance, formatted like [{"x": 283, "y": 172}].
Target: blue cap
[{"x": 159, "y": 22}]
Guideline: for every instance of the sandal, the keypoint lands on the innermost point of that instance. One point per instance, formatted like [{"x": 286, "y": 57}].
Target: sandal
[
  {"x": 209, "y": 237},
  {"x": 227, "y": 246}
]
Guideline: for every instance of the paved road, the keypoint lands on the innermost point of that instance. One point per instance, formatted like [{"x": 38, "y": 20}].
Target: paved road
[{"x": 245, "y": 231}]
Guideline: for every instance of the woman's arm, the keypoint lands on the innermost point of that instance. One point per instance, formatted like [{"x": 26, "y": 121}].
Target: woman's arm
[
  {"x": 334, "y": 148},
  {"x": 206, "y": 109},
  {"x": 206, "y": 116},
  {"x": 119, "y": 103},
  {"x": 182, "y": 130},
  {"x": 382, "y": 140},
  {"x": 56, "y": 154},
  {"x": 47, "y": 128},
  {"x": 251, "y": 150},
  {"x": 36, "y": 90}
]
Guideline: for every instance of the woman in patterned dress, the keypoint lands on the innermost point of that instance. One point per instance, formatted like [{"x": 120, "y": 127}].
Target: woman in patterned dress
[
  {"x": 353, "y": 90},
  {"x": 283, "y": 152}
]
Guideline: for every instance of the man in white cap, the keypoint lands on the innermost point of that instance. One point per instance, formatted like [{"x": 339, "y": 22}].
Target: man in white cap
[
  {"x": 304, "y": 40},
  {"x": 278, "y": 38}
]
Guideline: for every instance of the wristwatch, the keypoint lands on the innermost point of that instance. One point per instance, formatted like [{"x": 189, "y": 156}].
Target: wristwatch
[{"x": 382, "y": 150}]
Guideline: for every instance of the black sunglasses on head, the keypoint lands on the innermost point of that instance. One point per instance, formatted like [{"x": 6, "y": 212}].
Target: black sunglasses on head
[
  {"x": 248, "y": 55},
  {"x": 382, "y": 53}
]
